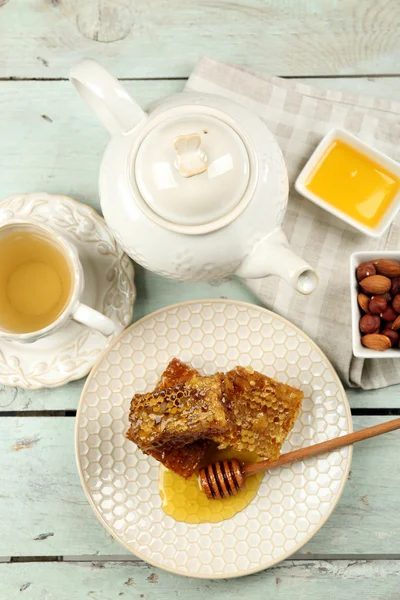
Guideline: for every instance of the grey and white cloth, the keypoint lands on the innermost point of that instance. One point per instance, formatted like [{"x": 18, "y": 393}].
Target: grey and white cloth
[{"x": 299, "y": 116}]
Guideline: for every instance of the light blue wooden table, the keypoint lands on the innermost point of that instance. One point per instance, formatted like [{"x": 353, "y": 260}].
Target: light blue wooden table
[{"x": 51, "y": 545}]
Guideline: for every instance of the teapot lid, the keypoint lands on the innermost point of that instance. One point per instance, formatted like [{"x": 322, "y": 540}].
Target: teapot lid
[{"x": 192, "y": 172}]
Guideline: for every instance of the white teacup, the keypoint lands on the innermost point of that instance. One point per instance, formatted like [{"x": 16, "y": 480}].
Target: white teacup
[{"x": 41, "y": 283}]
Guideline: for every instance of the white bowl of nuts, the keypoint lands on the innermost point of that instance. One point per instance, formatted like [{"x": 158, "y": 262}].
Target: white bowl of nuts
[{"x": 375, "y": 304}]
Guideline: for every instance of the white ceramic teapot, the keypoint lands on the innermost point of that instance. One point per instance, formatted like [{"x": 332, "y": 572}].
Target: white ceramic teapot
[{"x": 197, "y": 189}]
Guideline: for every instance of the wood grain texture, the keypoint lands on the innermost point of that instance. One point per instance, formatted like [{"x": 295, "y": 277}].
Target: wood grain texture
[
  {"x": 67, "y": 397},
  {"x": 45, "y": 512},
  {"x": 50, "y": 141},
  {"x": 387, "y": 398},
  {"x": 153, "y": 38},
  {"x": 154, "y": 292},
  {"x": 291, "y": 580}
]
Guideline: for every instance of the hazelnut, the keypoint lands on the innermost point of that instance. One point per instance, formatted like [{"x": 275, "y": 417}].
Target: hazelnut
[
  {"x": 396, "y": 303},
  {"x": 365, "y": 269},
  {"x": 387, "y": 296},
  {"x": 395, "y": 286},
  {"x": 377, "y": 305},
  {"x": 393, "y": 336},
  {"x": 370, "y": 324},
  {"x": 389, "y": 314}
]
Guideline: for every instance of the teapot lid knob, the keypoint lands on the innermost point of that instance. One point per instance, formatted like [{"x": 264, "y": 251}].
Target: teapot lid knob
[
  {"x": 190, "y": 157},
  {"x": 192, "y": 171}
]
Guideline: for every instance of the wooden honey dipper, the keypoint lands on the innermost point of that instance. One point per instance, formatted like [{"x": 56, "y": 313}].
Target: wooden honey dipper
[{"x": 227, "y": 477}]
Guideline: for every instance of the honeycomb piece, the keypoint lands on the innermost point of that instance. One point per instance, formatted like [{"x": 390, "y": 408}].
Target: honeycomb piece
[
  {"x": 261, "y": 411},
  {"x": 178, "y": 415},
  {"x": 184, "y": 460},
  {"x": 176, "y": 373}
]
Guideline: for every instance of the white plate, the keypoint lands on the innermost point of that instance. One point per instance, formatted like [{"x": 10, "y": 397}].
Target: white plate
[
  {"x": 109, "y": 287},
  {"x": 121, "y": 483}
]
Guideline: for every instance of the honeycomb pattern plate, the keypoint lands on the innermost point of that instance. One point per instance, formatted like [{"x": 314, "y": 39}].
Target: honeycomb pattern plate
[{"x": 121, "y": 483}]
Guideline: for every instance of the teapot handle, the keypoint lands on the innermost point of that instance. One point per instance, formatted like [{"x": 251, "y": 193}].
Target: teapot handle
[{"x": 108, "y": 99}]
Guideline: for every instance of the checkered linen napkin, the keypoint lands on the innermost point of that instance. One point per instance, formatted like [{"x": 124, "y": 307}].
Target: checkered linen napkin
[{"x": 299, "y": 116}]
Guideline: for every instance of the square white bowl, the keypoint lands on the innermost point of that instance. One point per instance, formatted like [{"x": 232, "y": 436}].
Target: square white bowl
[
  {"x": 383, "y": 160},
  {"x": 358, "y": 349}
]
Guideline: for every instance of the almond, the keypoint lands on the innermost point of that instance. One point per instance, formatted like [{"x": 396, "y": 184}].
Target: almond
[
  {"x": 396, "y": 324},
  {"x": 376, "y": 341},
  {"x": 376, "y": 285},
  {"x": 387, "y": 267},
  {"x": 363, "y": 302}
]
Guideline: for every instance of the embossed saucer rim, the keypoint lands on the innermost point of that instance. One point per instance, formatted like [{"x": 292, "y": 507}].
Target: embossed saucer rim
[
  {"x": 248, "y": 571},
  {"x": 44, "y": 199}
]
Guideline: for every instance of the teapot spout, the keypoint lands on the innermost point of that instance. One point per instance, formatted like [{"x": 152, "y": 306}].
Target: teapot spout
[{"x": 273, "y": 256}]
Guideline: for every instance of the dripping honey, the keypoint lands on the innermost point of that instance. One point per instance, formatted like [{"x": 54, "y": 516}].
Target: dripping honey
[
  {"x": 353, "y": 183},
  {"x": 183, "y": 500}
]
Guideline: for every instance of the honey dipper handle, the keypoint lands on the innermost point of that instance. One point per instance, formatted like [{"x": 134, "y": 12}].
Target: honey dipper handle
[{"x": 328, "y": 446}]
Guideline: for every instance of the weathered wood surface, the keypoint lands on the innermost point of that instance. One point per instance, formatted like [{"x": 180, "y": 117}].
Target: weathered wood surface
[
  {"x": 45, "y": 130},
  {"x": 149, "y": 38},
  {"x": 45, "y": 512},
  {"x": 49, "y": 140},
  {"x": 154, "y": 292},
  {"x": 291, "y": 580},
  {"x": 67, "y": 397},
  {"x": 387, "y": 398}
]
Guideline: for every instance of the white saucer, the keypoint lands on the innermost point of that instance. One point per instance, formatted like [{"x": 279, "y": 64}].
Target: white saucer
[{"x": 109, "y": 287}]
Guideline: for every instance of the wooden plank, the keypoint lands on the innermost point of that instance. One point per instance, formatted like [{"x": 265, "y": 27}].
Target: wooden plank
[
  {"x": 45, "y": 512},
  {"x": 386, "y": 398},
  {"x": 154, "y": 292},
  {"x": 290, "y": 580},
  {"x": 49, "y": 141},
  {"x": 67, "y": 397},
  {"x": 144, "y": 38}
]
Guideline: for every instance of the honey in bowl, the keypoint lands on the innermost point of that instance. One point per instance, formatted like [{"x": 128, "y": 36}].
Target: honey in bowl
[
  {"x": 184, "y": 500},
  {"x": 353, "y": 183}
]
